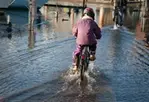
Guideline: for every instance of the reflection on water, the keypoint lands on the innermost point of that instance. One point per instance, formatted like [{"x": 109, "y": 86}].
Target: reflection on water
[
  {"x": 59, "y": 20},
  {"x": 67, "y": 17},
  {"x": 32, "y": 75}
]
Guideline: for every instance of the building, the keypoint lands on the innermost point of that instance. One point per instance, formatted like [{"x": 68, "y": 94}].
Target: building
[
  {"x": 5, "y": 3},
  {"x": 24, "y": 3}
]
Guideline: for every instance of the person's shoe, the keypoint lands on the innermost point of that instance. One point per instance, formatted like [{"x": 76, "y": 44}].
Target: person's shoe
[
  {"x": 147, "y": 45},
  {"x": 92, "y": 57},
  {"x": 75, "y": 69}
]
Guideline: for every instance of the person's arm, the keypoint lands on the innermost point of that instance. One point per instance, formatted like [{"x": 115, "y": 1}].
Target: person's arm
[
  {"x": 97, "y": 32},
  {"x": 75, "y": 30}
]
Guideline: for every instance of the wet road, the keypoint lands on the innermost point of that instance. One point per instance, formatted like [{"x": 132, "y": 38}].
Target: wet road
[{"x": 42, "y": 74}]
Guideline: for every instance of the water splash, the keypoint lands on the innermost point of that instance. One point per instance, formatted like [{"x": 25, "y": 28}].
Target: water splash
[
  {"x": 115, "y": 27},
  {"x": 74, "y": 85}
]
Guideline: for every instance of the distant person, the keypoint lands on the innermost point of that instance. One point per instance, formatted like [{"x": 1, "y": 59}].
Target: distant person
[
  {"x": 86, "y": 32},
  {"x": 38, "y": 20},
  {"x": 69, "y": 12},
  {"x": 115, "y": 14},
  {"x": 145, "y": 25},
  {"x": 118, "y": 16},
  {"x": 147, "y": 39},
  {"x": 9, "y": 30},
  {"x": 76, "y": 11}
]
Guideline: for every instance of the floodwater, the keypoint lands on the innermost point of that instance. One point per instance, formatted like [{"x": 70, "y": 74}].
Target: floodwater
[{"x": 43, "y": 74}]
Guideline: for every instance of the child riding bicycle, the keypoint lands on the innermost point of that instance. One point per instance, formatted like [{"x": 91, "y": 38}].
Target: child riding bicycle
[{"x": 86, "y": 32}]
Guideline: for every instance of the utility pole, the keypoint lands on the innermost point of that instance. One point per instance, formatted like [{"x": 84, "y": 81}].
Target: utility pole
[
  {"x": 84, "y": 3},
  {"x": 31, "y": 37}
]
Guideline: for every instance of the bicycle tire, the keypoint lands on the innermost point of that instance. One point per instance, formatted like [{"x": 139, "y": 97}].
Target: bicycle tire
[
  {"x": 82, "y": 71},
  {"x": 84, "y": 64}
]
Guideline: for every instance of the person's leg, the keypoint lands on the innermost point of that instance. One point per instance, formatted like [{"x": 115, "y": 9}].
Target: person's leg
[
  {"x": 75, "y": 56},
  {"x": 9, "y": 36},
  {"x": 116, "y": 20},
  {"x": 147, "y": 39},
  {"x": 121, "y": 17},
  {"x": 92, "y": 52}
]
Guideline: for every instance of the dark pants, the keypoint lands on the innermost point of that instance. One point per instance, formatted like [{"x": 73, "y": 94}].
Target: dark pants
[{"x": 147, "y": 38}]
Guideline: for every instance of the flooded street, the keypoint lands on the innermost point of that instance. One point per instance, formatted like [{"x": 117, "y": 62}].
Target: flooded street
[{"x": 42, "y": 74}]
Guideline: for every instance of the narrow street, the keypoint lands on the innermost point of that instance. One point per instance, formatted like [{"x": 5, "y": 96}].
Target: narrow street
[{"x": 119, "y": 74}]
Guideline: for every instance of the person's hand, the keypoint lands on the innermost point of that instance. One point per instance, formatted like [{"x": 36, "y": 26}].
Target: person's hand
[{"x": 75, "y": 37}]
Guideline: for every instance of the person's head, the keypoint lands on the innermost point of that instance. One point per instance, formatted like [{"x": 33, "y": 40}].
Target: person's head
[{"x": 89, "y": 11}]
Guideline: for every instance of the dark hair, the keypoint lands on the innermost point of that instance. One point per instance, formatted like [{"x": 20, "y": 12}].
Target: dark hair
[{"x": 89, "y": 12}]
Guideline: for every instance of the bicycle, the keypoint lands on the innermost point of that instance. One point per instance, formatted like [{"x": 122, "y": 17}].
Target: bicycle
[{"x": 83, "y": 61}]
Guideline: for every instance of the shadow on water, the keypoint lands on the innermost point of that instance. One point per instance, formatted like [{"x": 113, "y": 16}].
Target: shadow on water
[{"x": 36, "y": 93}]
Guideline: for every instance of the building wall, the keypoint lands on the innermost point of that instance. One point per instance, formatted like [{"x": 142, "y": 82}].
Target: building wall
[
  {"x": 103, "y": 1},
  {"x": 5, "y": 3}
]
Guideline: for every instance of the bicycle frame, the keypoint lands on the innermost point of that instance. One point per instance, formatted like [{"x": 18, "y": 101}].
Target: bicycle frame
[{"x": 83, "y": 61}]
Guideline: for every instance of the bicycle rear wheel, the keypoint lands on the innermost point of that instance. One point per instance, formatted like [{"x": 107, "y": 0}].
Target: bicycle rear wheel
[
  {"x": 82, "y": 71},
  {"x": 84, "y": 62}
]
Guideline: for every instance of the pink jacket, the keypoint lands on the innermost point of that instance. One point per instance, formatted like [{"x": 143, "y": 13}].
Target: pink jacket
[{"x": 86, "y": 31}]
